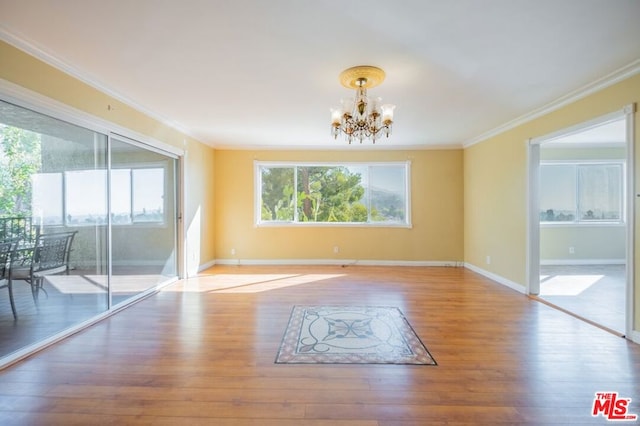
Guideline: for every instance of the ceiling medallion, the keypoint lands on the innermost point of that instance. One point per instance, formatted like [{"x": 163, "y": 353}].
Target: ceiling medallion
[{"x": 361, "y": 117}]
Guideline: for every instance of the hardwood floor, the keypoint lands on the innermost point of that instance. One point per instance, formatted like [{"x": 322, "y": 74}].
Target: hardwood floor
[{"x": 202, "y": 352}]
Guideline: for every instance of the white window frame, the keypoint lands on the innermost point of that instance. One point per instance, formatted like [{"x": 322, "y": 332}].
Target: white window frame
[
  {"x": 295, "y": 223},
  {"x": 590, "y": 223}
]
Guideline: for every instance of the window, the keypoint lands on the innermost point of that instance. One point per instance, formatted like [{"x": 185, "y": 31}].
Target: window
[
  {"x": 137, "y": 196},
  {"x": 354, "y": 193},
  {"x": 86, "y": 197},
  {"x": 47, "y": 198},
  {"x": 148, "y": 195},
  {"x": 120, "y": 196},
  {"x": 582, "y": 192}
]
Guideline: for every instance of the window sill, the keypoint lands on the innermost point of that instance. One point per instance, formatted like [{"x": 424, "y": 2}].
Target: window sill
[
  {"x": 583, "y": 224},
  {"x": 331, "y": 225}
]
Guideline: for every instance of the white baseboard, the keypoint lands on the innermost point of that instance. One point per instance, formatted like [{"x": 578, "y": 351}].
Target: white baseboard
[
  {"x": 497, "y": 278},
  {"x": 207, "y": 265},
  {"x": 553, "y": 262},
  {"x": 337, "y": 262}
]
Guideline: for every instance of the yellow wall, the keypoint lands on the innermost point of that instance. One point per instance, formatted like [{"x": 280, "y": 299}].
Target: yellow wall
[
  {"x": 199, "y": 206},
  {"x": 26, "y": 71},
  {"x": 437, "y": 212},
  {"x": 495, "y": 184},
  {"x": 465, "y": 204}
]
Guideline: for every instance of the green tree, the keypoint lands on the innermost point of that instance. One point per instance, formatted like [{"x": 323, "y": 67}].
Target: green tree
[
  {"x": 20, "y": 152},
  {"x": 386, "y": 206},
  {"x": 324, "y": 194},
  {"x": 277, "y": 193},
  {"x": 330, "y": 194}
]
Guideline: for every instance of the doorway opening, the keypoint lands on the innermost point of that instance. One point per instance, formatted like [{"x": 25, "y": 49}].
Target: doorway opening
[{"x": 580, "y": 219}]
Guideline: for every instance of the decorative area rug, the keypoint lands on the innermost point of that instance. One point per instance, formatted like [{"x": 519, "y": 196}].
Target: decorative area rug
[{"x": 351, "y": 335}]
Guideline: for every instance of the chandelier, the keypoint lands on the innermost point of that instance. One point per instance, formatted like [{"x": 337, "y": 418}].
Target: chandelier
[{"x": 362, "y": 117}]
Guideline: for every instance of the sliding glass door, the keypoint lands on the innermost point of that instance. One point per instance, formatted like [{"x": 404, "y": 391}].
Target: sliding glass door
[
  {"x": 53, "y": 181},
  {"x": 143, "y": 218},
  {"x": 110, "y": 202}
]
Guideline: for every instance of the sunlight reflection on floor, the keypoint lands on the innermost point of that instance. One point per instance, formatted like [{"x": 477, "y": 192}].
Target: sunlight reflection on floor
[
  {"x": 566, "y": 285},
  {"x": 92, "y": 284},
  {"x": 247, "y": 283}
]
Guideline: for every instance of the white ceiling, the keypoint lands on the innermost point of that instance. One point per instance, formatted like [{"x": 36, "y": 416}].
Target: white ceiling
[{"x": 255, "y": 73}]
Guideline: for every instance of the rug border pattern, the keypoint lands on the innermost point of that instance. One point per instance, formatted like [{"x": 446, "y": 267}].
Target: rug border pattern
[{"x": 287, "y": 351}]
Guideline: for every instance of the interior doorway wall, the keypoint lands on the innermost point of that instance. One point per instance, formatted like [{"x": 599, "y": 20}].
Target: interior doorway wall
[{"x": 581, "y": 261}]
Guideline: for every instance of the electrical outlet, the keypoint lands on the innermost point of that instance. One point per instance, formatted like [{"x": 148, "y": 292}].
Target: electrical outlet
[
  {"x": 233, "y": 252},
  {"x": 488, "y": 260},
  {"x": 336, "y": 249},
  {"x": 572, "y": 250}
]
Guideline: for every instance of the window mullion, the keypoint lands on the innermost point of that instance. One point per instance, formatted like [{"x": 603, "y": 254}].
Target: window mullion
[
  {"x": 64, "y": 199},
  {"x": 131, "y": 196},
  {"x": 295, "y": 194},
  {"x": 623, "y": 191},
  {"x": 578, "y": 207},
  {"x": 367, "y": 194}
]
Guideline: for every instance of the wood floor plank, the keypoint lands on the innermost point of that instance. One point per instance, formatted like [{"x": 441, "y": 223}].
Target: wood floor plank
[{"x": 202, "y": 351}]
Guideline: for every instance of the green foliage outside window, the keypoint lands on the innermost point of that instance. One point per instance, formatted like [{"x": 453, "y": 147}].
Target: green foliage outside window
[
  {"x": 277, "y": 193},
  {"x": 19, "y": 160},
  {"x": 334, "y": 194},
  {"x": 330, "y": 194}
]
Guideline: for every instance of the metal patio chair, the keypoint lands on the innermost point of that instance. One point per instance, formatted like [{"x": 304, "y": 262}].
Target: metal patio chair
[
  {"x": 49, "y": 256},
  {"x": 6, "y": 249}
]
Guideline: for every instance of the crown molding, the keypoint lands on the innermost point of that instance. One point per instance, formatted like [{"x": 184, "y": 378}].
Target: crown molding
[
  {"x": 332, "y": 147},
  {"x": 34, "y": 50},
  {"x": 610, "y": 79},
  {"x": 42, "y": 54}
]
